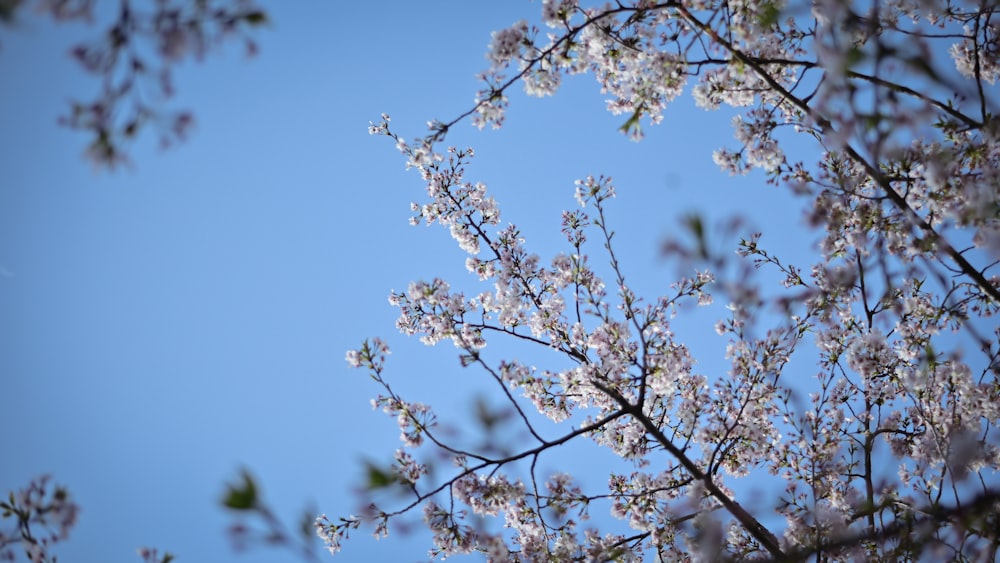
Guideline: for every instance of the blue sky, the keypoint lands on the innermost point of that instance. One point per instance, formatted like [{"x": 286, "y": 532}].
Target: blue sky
[{"x": 167, "y": 324}]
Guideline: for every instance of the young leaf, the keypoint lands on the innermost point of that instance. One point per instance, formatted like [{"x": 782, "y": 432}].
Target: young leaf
[{"x": 242, "y": 496}]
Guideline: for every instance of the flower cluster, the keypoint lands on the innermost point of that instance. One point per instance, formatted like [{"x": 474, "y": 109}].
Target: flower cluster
[
  {"x": 414, "y": 419},
  {"x": 120, "y": 60},
  {"x": 43, "y": 518},
  {"x": 331, "y": 534}
]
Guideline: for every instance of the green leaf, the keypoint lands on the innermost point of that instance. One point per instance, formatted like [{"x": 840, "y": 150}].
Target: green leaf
[
  {"x": 694, "y": 224},
  {"x": 923, "y": 66},
  {"x": 307, "y": 523},
  {"x": 242, "y": 496},
  {"x": 768, "y": 15},
  {"x": 7, "y": 11},
  {"x": 930, "y": 356},
  {"x": 379, "y": 478},
  {"x": 853, "y": 57},
  {"x": 632, "y": 122},
  {"x": 256, "y": 17},
  {"x": 486, "y": 418}
]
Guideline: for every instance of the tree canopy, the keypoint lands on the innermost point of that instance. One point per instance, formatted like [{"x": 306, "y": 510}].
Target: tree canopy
[
  {"x": 856, "y": 417},
  {"x": 885, "y": 449}
]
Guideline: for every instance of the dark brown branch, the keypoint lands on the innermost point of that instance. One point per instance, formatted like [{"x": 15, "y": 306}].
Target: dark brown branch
[{"x": 747, "y": 520}]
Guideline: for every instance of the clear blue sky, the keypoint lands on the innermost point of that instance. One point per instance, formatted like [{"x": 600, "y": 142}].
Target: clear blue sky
[{"x": 164, "y": 325}]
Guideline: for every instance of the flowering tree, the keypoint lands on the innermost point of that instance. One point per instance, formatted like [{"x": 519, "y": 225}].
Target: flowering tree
[{"x": 887, "y": 452}]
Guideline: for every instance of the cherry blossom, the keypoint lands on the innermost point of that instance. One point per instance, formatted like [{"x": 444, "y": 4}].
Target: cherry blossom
[
  {"x": 132, "y": 86},
  {"x": 43, "y": 517},
  {"x": 881, "y": 442}
]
